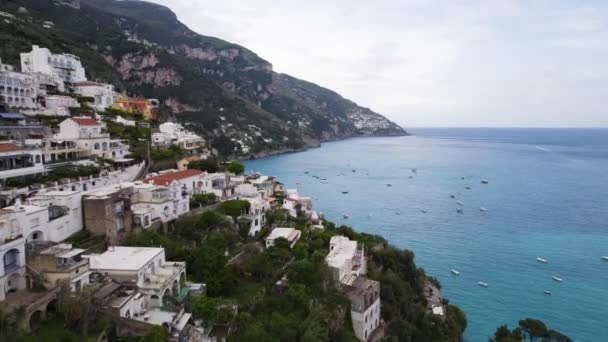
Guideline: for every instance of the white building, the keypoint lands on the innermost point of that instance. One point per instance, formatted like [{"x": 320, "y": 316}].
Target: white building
[
  {"x": 255, "y": 217},
  {"x": 119, "y": 119},
  {"x": 345, "y": 257},
  {"x": 59, "y": 105},
  {"x": 12, "y": 252},
  {"x": 156, "y": 203},
  {"x": 171, "y": 133},
  {"x": 19, "y": 161},
  {"x": 101, "y": 92},
  {"x": 90, "y": 135},
  {"x": 17, "y": 89},
  {"x": 66, "y": 67},
  {"x": 292, "y": 236},
  {"x": 219, "y": 184},
  {"x": 145, "y": 267},
  {"x": 190, "y": 180},
  {"x": 348, "y": 263}
]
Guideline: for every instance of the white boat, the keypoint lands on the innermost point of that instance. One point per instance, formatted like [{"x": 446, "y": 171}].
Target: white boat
[
  {"x": 454, "y": 272},
  {"x": 483, "y": 209},
  {"x": 547, "y": 292},
  {"x": 459, "y": 203},
  {"x": 557, "y": 279},
  {"x": 544, "y": 261},
  {"x": 481, "y": 283},
  {"x": 605, "y": 258}
]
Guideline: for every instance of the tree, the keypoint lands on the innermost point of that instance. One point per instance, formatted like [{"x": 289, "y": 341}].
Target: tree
[
  {"x": 235, "y": 167},
  {"x": 210, "y": 165},
  {"x": 234, "y": 208},
  {"x": 156, "y": 333},
  {"x": 534, "y": 328}
]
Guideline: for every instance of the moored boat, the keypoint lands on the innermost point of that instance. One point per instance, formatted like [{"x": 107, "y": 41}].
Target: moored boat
[
  {"x": 483, "y": 209},
  {"x": 557, "y": 279},
  {"x": 455, "y": 272},
  {"x": 481, "y": 283},
  {"x": 459, "y": 203},
  {"x": 547, "y": 292},
  {"x": 459, "y": 211},
  {"x": 544, "y": 261},
  {"x": 484, "y": 182},
  {"x": 605, "y": 258}
]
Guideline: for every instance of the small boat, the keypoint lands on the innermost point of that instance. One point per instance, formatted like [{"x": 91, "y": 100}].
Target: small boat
[
  {"x": 459, "y": 210},
  {"x": 323, "y": 179},
  {"x": 605, "y": 258},
  {"x": 389, "y": 185},
  {"x": 415, "y": 170},
  {"x": 468, "y": 188},
  {"x": 306, "y": 172},
  {"x": 462, "y": 178},
  {"x": 345, "y": 216},
  {"x": 344, "y": 192},
  {"x": 452, "y": 196},
  {"x": 423, "y": 211},
  {"x": 455, "y": 272},
  {"x": 483, "y": 209},
  {"x": 544, "y": 261},
  {"x": 484, "y": 182},
  {"x": 547, "y": 292},
  {"x": 411, "y": 177},
  {"x": 557, "y": 279},
  {"x": 481, "y": 283},
  {"x": 354, "y": 170},
  {"x": 459, "y": 203}
]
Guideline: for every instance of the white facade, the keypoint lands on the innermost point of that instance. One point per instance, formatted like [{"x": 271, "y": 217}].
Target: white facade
[
  {"x": 66, "y": 67},
  {"x": 171, "y": 133},
  {"x": 17, "y": 89},
  {"x": 154, "y": 203},
  {"x": 90, "y": 135},
  {"x": 18, "y": 161},
  {"x": 144, "y": 266},
  {"x": 12, "y": 254},
  {"x": 345, "y": 257},
  {"x": 59, "y": 105},
  {"x": 101, "y": 92},
  {"x": 364, "y": 323},
  {"x": 119, "y": 119},
  {"x": 292, "y": 236}
]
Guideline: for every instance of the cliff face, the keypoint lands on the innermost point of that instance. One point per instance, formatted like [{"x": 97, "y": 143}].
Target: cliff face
[{"x": 231, "y": 94}]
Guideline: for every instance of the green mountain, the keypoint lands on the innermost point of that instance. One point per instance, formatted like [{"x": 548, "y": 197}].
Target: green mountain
[{"x": 228, "y": 93}]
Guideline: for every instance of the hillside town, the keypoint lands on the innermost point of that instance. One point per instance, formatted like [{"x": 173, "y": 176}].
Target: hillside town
[{"x": 74, "y": 194}]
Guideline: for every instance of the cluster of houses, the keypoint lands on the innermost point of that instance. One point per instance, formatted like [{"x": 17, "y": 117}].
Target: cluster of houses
[
  {"x": 45, "y": 77},
  {"x": 50, "y": 84},
  {"x": 137, "y": 287}
]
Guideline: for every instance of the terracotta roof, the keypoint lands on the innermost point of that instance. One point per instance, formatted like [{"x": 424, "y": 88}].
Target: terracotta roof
[
  {"x": 86, "y": 121},
  {"x": 193, "y": 158},
  {"x": 10, "y": 148},
  {"x": 168, "y": 178}
]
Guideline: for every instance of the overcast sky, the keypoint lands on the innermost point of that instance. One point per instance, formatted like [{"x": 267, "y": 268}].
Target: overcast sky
[{"x": 538, "y": 63}]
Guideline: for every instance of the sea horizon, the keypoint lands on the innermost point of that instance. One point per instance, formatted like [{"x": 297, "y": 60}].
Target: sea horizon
[{"x": 536, "y": 207}]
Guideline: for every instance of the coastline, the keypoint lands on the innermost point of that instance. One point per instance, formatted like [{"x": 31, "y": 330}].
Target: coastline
[{"x": 266, "y": 154}]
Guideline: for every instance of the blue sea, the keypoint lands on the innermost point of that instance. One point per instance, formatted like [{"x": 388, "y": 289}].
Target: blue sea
[{"x": 547, "y": 196}]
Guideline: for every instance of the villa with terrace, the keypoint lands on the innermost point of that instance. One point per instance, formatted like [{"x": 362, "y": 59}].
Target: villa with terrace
[{"x": 144, "y": 267}]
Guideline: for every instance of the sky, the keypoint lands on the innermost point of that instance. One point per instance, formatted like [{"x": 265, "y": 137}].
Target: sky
[{"x": 467, "y": 63}]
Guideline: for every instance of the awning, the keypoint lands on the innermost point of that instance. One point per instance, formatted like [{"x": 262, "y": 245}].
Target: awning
[{"x": 12, "y": 116}]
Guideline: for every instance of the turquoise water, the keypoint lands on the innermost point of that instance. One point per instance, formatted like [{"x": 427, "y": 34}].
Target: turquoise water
[{"x": 547, "y": 197}]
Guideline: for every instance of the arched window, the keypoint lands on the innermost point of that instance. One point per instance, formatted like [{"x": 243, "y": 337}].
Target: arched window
[
  {"x": 37, "y": 159},
  {"x": 96, "y": 146}
]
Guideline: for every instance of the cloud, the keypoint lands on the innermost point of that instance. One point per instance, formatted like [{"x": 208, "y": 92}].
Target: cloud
[{"x": 427, "y": 62}]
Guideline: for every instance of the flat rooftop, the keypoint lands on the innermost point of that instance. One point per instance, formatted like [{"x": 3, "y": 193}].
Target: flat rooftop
[{"x": 121, "y": 258}]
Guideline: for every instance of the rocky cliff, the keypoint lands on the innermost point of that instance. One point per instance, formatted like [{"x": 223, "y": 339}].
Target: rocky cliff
[{"x": 229, "y": 93}]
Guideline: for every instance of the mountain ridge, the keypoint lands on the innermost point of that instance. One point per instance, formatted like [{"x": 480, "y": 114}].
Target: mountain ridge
[{"x": 231, "y": 95}]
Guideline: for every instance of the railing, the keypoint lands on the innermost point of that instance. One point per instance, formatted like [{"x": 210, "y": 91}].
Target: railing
[{"x": 11, "y": 239}]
